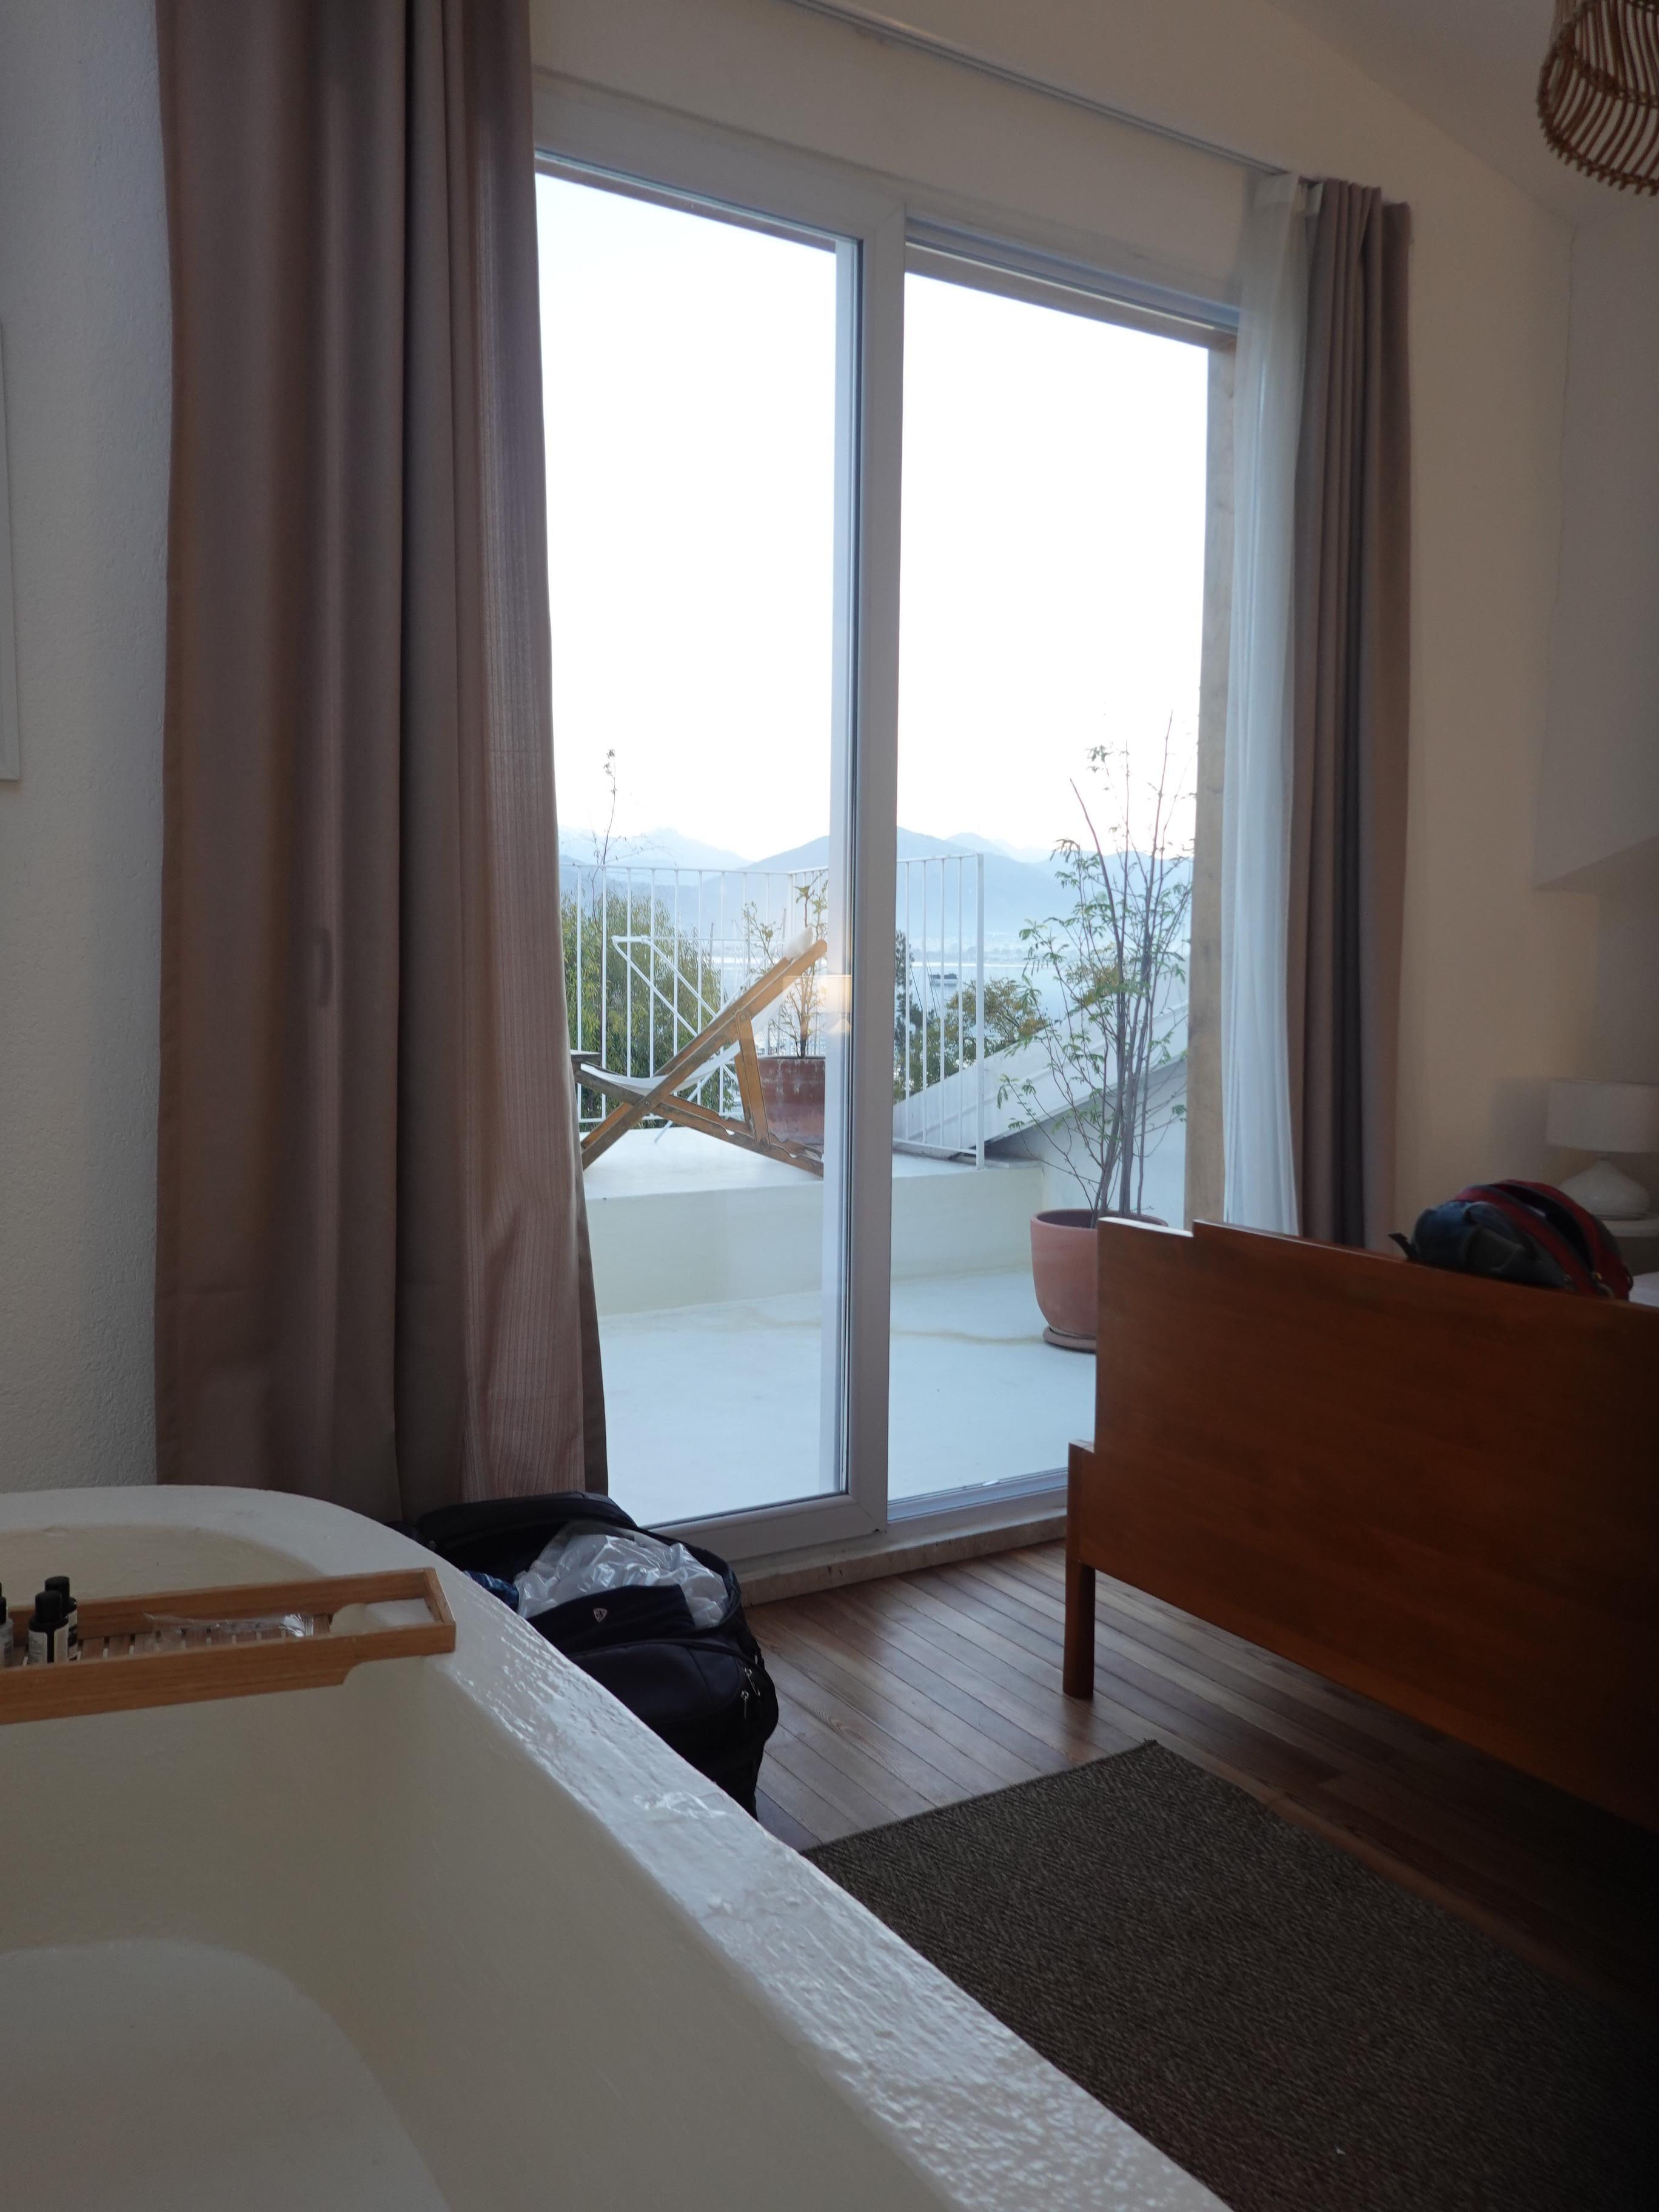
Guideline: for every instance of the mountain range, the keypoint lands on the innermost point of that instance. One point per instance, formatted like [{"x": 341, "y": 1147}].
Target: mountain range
[
  {"x": 671, "y": 848},
  {"x": 1016, "y": 889},
  {"x": 660, "y": 849},
  {"x": 1020, "y": 886}
]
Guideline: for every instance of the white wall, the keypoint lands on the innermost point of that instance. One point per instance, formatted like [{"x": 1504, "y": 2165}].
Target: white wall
[
  {"x": 1600, "y": 794},
  {"x": 84, "y": 312},
  {"x": 1625, "y": 1045},
  {"x": 1598, "y": 813}
]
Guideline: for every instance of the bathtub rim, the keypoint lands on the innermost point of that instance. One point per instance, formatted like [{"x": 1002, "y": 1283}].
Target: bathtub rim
[{"x": 981, "y": 2118}]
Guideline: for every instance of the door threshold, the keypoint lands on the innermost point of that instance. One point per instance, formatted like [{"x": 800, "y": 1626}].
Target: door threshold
[{"x": 910, "y": 1544}]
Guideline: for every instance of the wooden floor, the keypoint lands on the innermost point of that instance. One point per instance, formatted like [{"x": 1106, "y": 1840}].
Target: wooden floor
[{"x": 917, "y": 1690}]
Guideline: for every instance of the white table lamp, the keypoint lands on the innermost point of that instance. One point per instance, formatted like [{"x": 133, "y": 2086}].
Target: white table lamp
[{"x": 1606, "y": 1117}]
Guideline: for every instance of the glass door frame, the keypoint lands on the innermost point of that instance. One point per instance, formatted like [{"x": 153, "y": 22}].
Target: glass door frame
[
  {"x": 961, "y": 252},
  {"x": 668, "y": 155},
  {"x": 610, "y": 139}
]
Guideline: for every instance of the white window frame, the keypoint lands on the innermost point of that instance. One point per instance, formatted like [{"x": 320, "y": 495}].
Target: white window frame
[
  {"x": 606, "y": 135},
  {"x": 612, "y": 137}
]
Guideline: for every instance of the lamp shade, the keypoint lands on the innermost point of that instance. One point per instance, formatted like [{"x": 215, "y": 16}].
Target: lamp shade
[
  {"x": 1604, "y": 1117},
  {"x": 1598, "y": 95}
]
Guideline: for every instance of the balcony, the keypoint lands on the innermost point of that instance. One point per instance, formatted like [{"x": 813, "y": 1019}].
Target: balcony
[{"x": 711, "y": 1262}]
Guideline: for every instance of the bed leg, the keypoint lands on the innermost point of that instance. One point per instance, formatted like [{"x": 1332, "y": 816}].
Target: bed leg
[{"x": 1078, "y": 1674}]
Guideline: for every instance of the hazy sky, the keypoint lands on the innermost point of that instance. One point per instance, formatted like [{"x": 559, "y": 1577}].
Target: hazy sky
[{"x": 1053, "y": 521}]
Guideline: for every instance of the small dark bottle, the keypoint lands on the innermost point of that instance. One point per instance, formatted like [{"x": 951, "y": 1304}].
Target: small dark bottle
[
  {"x": 5, "y": 1632},
  {"x": 71, "y": 1611},
  {"x": 48, "y": 1630}
]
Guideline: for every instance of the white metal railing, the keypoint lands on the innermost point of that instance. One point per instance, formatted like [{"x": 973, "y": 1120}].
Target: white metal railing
[
  {"x": 938, "y": 1005},
  {"x": 652, "y": 953}
]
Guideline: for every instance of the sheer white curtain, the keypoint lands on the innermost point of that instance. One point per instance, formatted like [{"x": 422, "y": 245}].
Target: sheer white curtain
[{"x": 1261, "y": 1165}]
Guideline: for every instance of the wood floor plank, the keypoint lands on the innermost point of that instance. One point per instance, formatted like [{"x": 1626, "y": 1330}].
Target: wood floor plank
[
  {"x": 959, "y": 1750},
  {"x": 816, "y": 1816},
  {"x": 847, "y": 1805},
  {"x": 1322, "y": 1735},
  {"x": 784, "y": 1825},
  {"x": 1074, "y": 1731},
  {"x": 878, "y": 1780},
  {"x": 926, "y": 1688},
  {"x": 875, "y": 1688},
  {"x": 1261, "y": 1749},
  {"x": 1157, "y": 1636},
  {"x": 936, "y": 1780},
  {"x": 1078, "y": 1731},
  {"x": 1493, "y": 1814},
  {"x": 1111, "y": 1595},
  {"x": 919, "y": 1668},
  {"x": 1119, "y": 1603}
]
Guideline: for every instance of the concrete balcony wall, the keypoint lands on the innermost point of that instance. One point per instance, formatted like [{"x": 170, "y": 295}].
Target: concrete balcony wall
[
  {"x": 707, "y": 1264},
  {"x": 956, "y": 1220},
  {"x": 676, "y": 1220}
]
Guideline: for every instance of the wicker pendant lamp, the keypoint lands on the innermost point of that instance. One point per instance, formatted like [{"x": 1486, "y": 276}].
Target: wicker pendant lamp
[{"x": 1598, "y": 94}]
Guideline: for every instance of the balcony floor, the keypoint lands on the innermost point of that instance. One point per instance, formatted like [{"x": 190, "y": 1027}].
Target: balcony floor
[{"x": 715, "y": 1408}]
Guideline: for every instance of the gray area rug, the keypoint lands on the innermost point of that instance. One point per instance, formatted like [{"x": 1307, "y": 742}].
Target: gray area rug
[{"x": 1288, "y": 2026}]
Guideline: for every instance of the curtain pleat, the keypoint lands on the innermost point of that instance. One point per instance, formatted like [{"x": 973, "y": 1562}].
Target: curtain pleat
[
  {"x": 372, "y": 1276},
  {"x": 1349, "y": 717},
  {"x": 1258, "y": 1141}
]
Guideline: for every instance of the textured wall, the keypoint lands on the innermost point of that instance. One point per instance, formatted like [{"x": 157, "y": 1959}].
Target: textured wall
[{"x": 83, "y": 307}]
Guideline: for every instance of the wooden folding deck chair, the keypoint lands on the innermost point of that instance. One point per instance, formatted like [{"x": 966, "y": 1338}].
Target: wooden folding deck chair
[{"x": 731, "y": 1029}]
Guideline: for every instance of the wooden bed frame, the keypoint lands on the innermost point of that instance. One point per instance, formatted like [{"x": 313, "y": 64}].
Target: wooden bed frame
[{"x": 1441, "y": 1491}]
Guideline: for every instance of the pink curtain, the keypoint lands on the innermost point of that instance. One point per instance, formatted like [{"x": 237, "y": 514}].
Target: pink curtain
[{"x": 372, "y": 1278}]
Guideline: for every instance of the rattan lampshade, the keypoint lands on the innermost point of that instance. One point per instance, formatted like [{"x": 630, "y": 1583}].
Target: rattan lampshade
[{"x": 1598, "y": 94}]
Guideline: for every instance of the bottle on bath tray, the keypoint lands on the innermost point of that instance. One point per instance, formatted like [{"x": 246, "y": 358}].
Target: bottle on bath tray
[
  {"x": 49, "y": 1641},
  {"x": 5, "y": 1632},
  {"x": 71, "y": 1611}
]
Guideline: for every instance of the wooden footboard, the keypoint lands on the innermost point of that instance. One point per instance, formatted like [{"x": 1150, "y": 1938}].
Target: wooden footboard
[{"x": 1441, "y": 1491}]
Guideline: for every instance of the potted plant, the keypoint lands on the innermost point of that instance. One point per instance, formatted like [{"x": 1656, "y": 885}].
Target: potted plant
[
  {"x": 1114, "y": 961},
  {"x": 792, "y": 1074}
]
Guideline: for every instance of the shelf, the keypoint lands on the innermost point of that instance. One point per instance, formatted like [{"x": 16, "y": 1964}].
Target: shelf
[{"x": 180, "y": 1647}]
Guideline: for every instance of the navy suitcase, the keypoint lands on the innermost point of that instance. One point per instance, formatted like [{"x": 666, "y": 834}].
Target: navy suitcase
[{"x": 704, "y": 1691}]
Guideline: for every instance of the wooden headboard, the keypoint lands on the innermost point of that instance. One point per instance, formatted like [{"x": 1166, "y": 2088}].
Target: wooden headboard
[{"x": 1442, "y": 1492}]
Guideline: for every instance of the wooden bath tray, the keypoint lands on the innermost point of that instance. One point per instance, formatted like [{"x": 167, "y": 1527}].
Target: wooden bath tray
[{"x": 160, "y": 1651}]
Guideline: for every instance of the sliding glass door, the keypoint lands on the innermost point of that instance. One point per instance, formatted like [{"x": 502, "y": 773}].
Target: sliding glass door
[
  {"x": 696, "y": 428},
  {"x": 862, "y": 975},
  {"x": 1056, "y": 473}
]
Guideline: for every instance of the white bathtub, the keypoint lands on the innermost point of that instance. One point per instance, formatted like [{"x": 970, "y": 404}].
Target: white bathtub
[{"x": 460, "y": 1933}]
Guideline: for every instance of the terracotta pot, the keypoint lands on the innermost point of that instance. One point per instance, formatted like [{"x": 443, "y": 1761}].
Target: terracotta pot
[
  {"x": 794, "y": 1091},
  {"x": 1065, "y": 1274}
]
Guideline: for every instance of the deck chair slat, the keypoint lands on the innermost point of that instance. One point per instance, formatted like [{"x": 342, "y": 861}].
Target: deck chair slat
[{"x": 732, "y": 1028}]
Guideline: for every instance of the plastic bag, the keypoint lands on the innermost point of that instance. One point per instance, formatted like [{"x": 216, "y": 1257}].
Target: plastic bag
[
  {"x": 580, "y": 1562},
  {"x": 381, "y": 1612},
  {"x": 171, "y": 1630}
]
